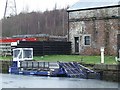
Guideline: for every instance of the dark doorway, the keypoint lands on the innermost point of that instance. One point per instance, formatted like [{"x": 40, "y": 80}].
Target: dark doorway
[
  {"x": 118, "y": 44},
  {"x": 76, "y": 44}
]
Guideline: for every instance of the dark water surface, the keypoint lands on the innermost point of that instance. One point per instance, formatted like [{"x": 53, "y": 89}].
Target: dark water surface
[{"x": 22, "y": 81}]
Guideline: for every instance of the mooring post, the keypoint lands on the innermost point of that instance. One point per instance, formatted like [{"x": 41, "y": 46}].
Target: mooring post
[{"x": 102, "y": 54}]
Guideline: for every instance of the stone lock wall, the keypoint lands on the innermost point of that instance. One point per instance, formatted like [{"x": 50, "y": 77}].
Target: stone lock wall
[{"x": 100, "y": 25}]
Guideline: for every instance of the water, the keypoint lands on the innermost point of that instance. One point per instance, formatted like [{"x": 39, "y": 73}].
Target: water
[{"x": 22, "y": 81}]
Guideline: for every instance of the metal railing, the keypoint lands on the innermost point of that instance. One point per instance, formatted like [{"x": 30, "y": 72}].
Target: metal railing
[{"x": 5, "y": 49}]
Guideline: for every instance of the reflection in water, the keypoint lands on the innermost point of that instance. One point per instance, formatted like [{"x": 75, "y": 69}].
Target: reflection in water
[{"x": 21, "y": 81}]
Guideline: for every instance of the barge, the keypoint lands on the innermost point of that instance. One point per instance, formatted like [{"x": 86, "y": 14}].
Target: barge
[{"x": 24, "y": 64}]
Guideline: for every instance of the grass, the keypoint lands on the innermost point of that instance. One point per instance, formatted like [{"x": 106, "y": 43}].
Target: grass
[
  {"x": 6, "y": 58},
  {"x": 77, "y": 58},
  {"x": 70, "y": 58}
]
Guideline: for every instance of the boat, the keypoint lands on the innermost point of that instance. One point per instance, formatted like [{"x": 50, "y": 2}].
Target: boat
[{"x": 23, "y": 64}]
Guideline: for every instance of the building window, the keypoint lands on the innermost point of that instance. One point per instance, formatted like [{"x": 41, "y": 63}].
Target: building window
[{"x": 87, "y": 40}]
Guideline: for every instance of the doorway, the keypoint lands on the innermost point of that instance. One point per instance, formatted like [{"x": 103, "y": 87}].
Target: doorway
[{"x": 76, "y": 44}]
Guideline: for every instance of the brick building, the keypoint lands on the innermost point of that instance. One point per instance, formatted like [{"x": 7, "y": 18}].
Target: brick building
[{"x": 92, "y": 25}]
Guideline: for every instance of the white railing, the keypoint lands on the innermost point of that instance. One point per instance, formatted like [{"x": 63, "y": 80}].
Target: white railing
[{"x": 5, "y": 49}]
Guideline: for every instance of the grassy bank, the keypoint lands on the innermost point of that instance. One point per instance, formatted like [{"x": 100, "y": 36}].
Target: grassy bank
[
  {"x": 77, "y": 58},
  {"x": 6, "y": 58},
  {"x": 68, "y": 58}
]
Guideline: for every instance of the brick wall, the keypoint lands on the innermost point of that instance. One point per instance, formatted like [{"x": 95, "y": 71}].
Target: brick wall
[{"x": 103, "y": 30}]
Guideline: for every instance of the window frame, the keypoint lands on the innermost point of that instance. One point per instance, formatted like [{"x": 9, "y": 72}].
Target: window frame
[{"x": 85, "y": 40}]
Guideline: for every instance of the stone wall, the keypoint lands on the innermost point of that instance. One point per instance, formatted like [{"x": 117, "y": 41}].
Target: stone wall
[
  {"x": 100, "y": 24},
  {"x": 94, "y": 13},
  {"x": 108, "y": 72}
]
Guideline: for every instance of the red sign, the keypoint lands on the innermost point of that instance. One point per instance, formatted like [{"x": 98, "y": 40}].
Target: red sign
[{"x": 9, "y": 40}]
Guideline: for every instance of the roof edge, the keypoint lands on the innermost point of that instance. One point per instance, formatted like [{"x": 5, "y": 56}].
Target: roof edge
[{"x": 93, "y": 8}]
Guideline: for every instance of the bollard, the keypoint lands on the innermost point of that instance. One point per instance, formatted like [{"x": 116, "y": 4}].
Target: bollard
[{"x": 102, "y": 54}]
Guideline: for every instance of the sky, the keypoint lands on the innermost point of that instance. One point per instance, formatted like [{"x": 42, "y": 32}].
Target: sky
[{"x": 36, "y": 5}]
